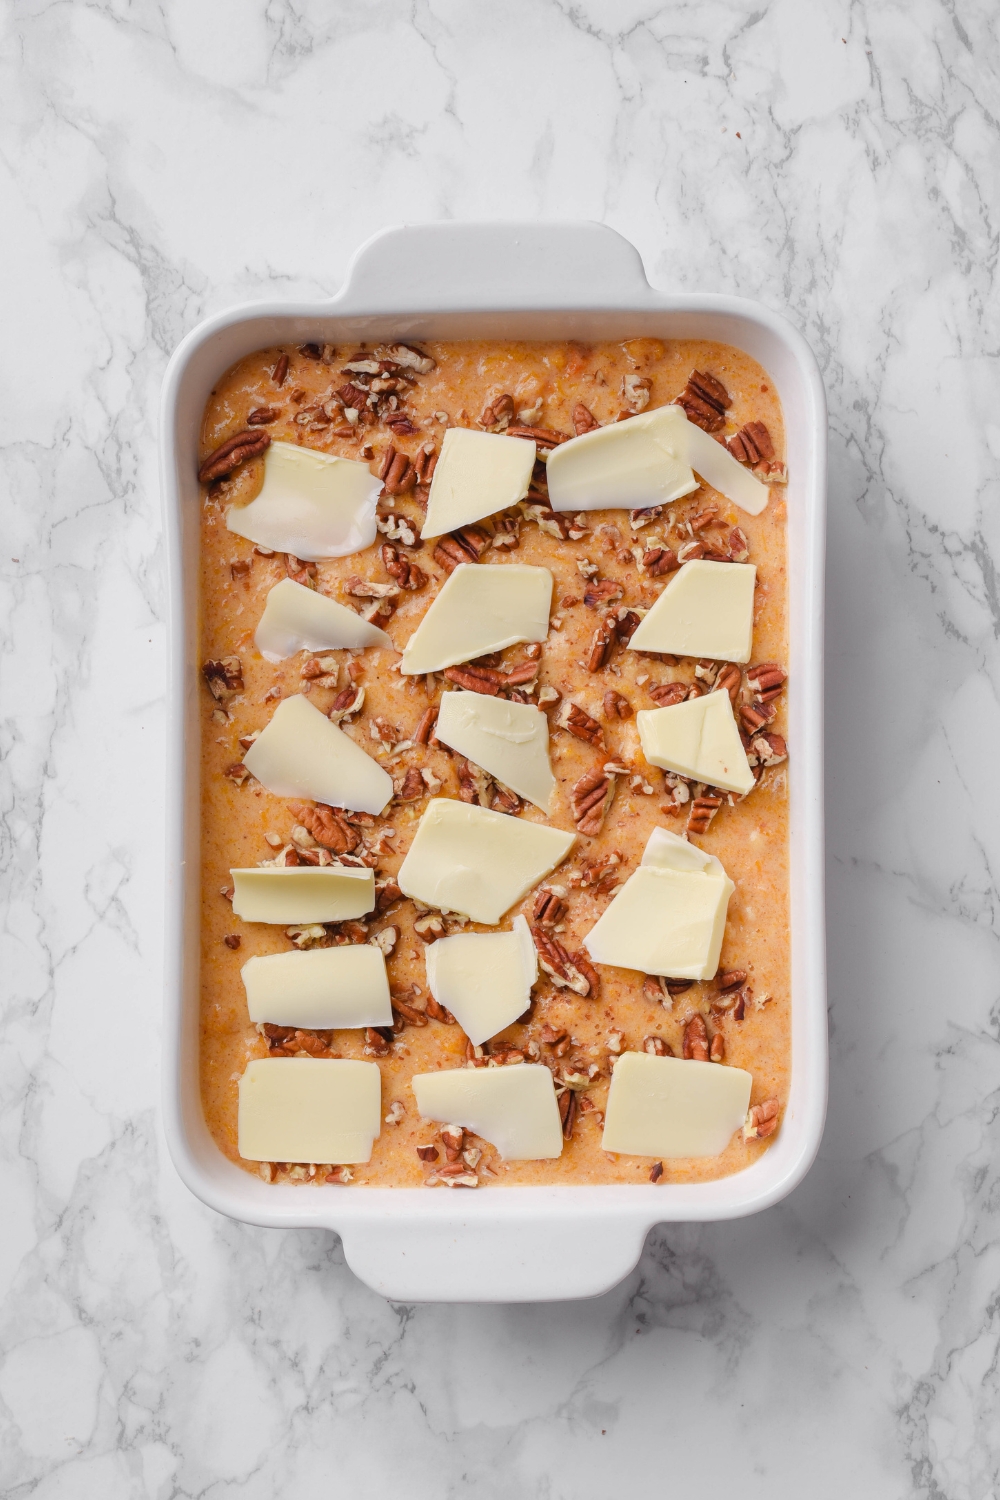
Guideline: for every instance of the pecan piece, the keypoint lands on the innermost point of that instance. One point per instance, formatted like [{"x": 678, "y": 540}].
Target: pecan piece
[
  {"x": 232, "y": 940},
  {"x": 705, "y": 401},
  {"x": 424, "y": 732},
  {"x": 406, "y": 574},
  {"x": 387, "y": 893},
  {"x": 410, "y": 358},
  {"x": 636, "y": 389},
  {"x": 430, "y": 927},
  {"x": 409, "y": 1012},
  {"x": 739, "y": 547},
  {"x": 659, "y": 560},
  {"x": 542, "y": 437},
  {"x": 466, "y": 545},
  {"x": 497, "y": 415},
  {"x": 427, "y": 1153},
  {"x": 728, "y": 681},
  {"x": 577, "y": 721},
  {"x": 567, "y": 971},
  {"x": 237, "y": 773},
  {"x": 348, "y": 701},
  {"x": 601, "y": 592},
  {"x": 223, "y": 677},
  {"x": 263, "y": 416},
  {"x": 473, "y": 784},
  {"x": 439, "y": 1012},
  {"x": 599, "y": 874},
  {"x": 475, "y": 679},
  {"x": 703, "y": 810},
  {"x": 583, "y": 419},
  {"x": 280, "y": 369},
  {"x": 637, "y": 519},
  {"x": 424, "y": 464},
  {"x": 761, "y": 1121},
  {"x": 411, "y": 788},
  {"x": 751, "y": 444},
  {"x": 695, "y": 1043},
  {"x": 616, "y": 705},
  {"x": 770, "y": 749},
  {"x": 666, "y": 694},
  {"x": 657, "y": 1046},
  {"x": 730, "y": 979},
  {"x": 590, "y": 799},
  {"x": 233, "y": 452},
  {"x": 656, "y": 1171},
  {"x": 754, "y": 716},
  {"x": 377, "y": 1044},
  {"x": 717, "y": 1048},
  {"x": 328, "y": 828},
  {"x": 766, "y": 681},
  {"x": 602, "y": 643},
  {"x": 548, "y": 909},
  {"x": 567, "y": 1112},
  {"x": 395, "y": 471}
]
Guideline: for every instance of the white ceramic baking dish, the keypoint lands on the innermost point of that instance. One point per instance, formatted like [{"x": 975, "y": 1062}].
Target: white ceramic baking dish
[{"x": 481, "y": 281}]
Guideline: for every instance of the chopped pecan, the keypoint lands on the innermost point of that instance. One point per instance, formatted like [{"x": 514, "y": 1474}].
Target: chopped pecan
[
  {"x": 567, "y": 1112},
  {"x": 637, "y": 519},
  {"x": 475, "y": 679},
  {"x": 548, "y": 909},
  {"x": 704, "y": 518},
  {"x": 427, "y": 1153},
  {"x": 430, "y": 927},
  {"x": 399, "y": 424},
  {"x": 376, "y": 1043},
  {"x": 659, "y": 560},
  {"x": 506, "y": 801},
  {"x": 497, "y": 415},
  {"x": 678, "y": 986},
  {"x": 583, "y": 419},
  {"x": 577, "y": 721},
  {"x": 717, "y": 1048},
  {"x": 233, "y": 452},
  {"x": 733, "y": 1002},
  {"x": 473, "y": 784},
  {"x": 466, "y": 545},
  {"x": 237, "y": 773},
  {"x": 542, "y": 437},
  {"x": 739, "y": 547},
  {"x": 411, "y": 787},
  {"x": 348, "y": 701},
  {"x": 657, "y": 1046},
  {"x": 399, "y": 528},
  {"x": 328, "y": 828},
  {"x": 263, "y": 416},
  {"x": 232, "y": 940},
  {"x": 728, "y": 681},
  {"x": 616, "y": 706},
  {"x": 410, "y": 358},
  {"x": 656, "y": 1171},
  {"x": 730, "y": 979},
  {"x": 366, "y": 588},
  {"x": 600, "y": 592},
  {"x": 695, "y": 1043},
  {"x": 439, "y": 1012},
  {"x": 628, "y": 624},
  {"x": 636, "y": 389},
  {"x": 599, "y": 874},
  {"x": 766, "y": 680},
  {"x": 703, "y": 810},
  {"x": 453, "y": 1140},
  {"x": 601, "y": 644},
  {"x": 556, "y": 1038},
  {"x": 567, "y": 971},
  {"x": 280, "y": 369},
  {"x": 754, "y": 716},
  {"x": 240, "y": 568},
  {"x": 223, "y": 677},
  {"x": 769, "y": 748},
  {"x": 409, "y": 1012},
  {"x": 751, "y": 444},
  {"x": 705, "y": 401},
  {"x": 666, "y": 694},
  {"x": 406, "y": 574},
  {"x": 424, "y": 732},
  {"x": 590, "y": 799},
  {"x": 761, "y": 1121},
  {"x": 387, "y": 893},
  {"x": 774, "y": 472},
  {"x": 424, "y": 464},
  {"x": 395, "y": 471}
]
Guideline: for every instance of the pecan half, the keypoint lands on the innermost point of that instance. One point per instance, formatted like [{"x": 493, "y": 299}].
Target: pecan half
[
  {"x": 659, "y": 560},
  {"x": 590, "y": 799},
  {"x": 326, "y": 826},
  {"x": 730, "y": 979},
  {"x": 705, "y": 401},
  {"x": 567, "y": 971},
  {"x": 770, "y": 749},
  {"x": 475, "y": 679},
  {"x": 406, "y": 574},
  {"x": 223, "y": 677},
  {"x": 548, "y": 909},
  {"x": 263, "y": 416},
  {"x": 766, "y": 680},
  {"x": 739, "y": 547},
  {"x": 409, "y": 1012},
  {"x": 584, "y": 419},
  {"x": 616, "y": 706},
  {"x": 717, "y": 1048},
  {"x": 601, "y": 644},
  {"x": 542, "y": 437},
  {"x": 754, "y": 716},
  {"x": 703, "y": 810},
  {"x": 761, "y": 1121},
  {"x": 695, "y": 1042},
  {"x": 233, "y": 452},
  {"x": 395, "y": 471},
  {"x": 577, "y": 721},
  {"x": 568, "y": 1109},
  {"x": 424, "y": 732},
  {"x": 666, "y": 694},
  {"x": 424, "y": 464},
  {"x": 280, "y": 369},
  {"x": 751, "y": 444},
  {"x": 728, "y": 681},
  {"x": 466, "y": 545}
]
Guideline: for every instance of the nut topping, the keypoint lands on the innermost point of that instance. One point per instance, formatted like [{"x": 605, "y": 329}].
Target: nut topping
[
  {"x": 577, "y": 721},
  {"x": 591, "y": 797},
  {"x": 657, "y": 561},
  {"x": 567, "y": 971},
  {"x": 616, "y": 706},
  {"x": 583, "y": 419},
  {"x": 705, "y": 401},
  {"x": 703, "y": 810},
  {"x": 761, "y": 1121},
  {"x": 696, "y": 1046},
  {"x": 233, "y": 452},
  {"x": 224, "y": 677},
  {"x": 328, "y": 829},
  {"x": 280, "y": 369},
  {"x": 656, "y": 1046},
  {"x": 466, "y": 545},
  {"x": 751, "y": 444},
  {"x": 548, "y": 908},
  {"x": 666, "y": 694}
]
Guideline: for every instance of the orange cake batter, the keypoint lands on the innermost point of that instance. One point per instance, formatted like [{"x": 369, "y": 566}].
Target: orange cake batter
[{"x": 605, "y": 564}]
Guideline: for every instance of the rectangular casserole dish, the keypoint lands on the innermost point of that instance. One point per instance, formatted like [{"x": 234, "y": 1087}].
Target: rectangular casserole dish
[{"x": 455, "y": 281}]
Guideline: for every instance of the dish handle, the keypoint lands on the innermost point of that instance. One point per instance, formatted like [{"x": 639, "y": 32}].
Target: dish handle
[
  {"x": 453, "y": 267},
  {"x": 492, "y": 1257}
]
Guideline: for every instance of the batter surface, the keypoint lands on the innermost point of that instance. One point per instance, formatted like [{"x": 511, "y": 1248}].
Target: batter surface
[{"x": 300, "y": 394}]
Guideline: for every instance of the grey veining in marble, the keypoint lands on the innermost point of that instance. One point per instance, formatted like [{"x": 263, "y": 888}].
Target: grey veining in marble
[{"x": 161, "y": 161}]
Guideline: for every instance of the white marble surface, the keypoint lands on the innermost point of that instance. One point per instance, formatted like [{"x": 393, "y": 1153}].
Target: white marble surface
[{"x": 160, "y": 161}]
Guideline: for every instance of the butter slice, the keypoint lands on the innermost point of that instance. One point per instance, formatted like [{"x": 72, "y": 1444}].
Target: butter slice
[
  {"x": 666, "y": 1107},
  {"x": 301, "y": 754},
  {"x": 311, "y": 504},
  {"x": 480, "y": 609},
  {"x": 706, "y": 610},
  {"x": 467, "y": 859},
  {"x": 477, "y": 474},
  {"x": 641, "y": 461},
  {"x": 483, "y": 978},
  {"x": 514, "y": 1108},
  {"x": 717, "y": 466},
  {"x": 323, "y": 988},
  {"x": 670, "y": 915},
  {"x": 309, "y": 1109},
  {"x": 698, "y": 739},
  {"x": 330, "y": 893},
  {"x": 298, "y": 619},
  {"x": 509, "y": 740}
]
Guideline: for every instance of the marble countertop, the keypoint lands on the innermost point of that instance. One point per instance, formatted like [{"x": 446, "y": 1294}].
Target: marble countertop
[{"x": 837, "y": 160}]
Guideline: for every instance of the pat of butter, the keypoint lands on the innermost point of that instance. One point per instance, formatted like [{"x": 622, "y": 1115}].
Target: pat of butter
[
  {"x": 480, "y": 609},
  {"x": 301, "y": 754},
  {"x": 509, "y": 740},
  {"x": 666, "y": 1107},
  {"x": 477, "y": 474},
  {"x": 631, "y": 464},
  {"x": 298, "y": 619},
  {"x": 322, "y": 988},
  {"x": 330, "y": 893},
  {"x": 467, "y": 859},
  {"x": 706, "y": 610},
  {"x": 670, "y": 915},
  {"x": 514, "y": 1108},
  {"x": 483, "y": 978},
  {"x": 311, "y": 504},
  {"x": 717, "y": 467},
  {"x": 309, "y": 1109},
  {"x": 698, "y": 739}
]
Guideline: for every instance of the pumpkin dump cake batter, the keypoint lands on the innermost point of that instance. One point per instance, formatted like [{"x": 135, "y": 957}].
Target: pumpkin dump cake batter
[{"x": 608, "y": 788}]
